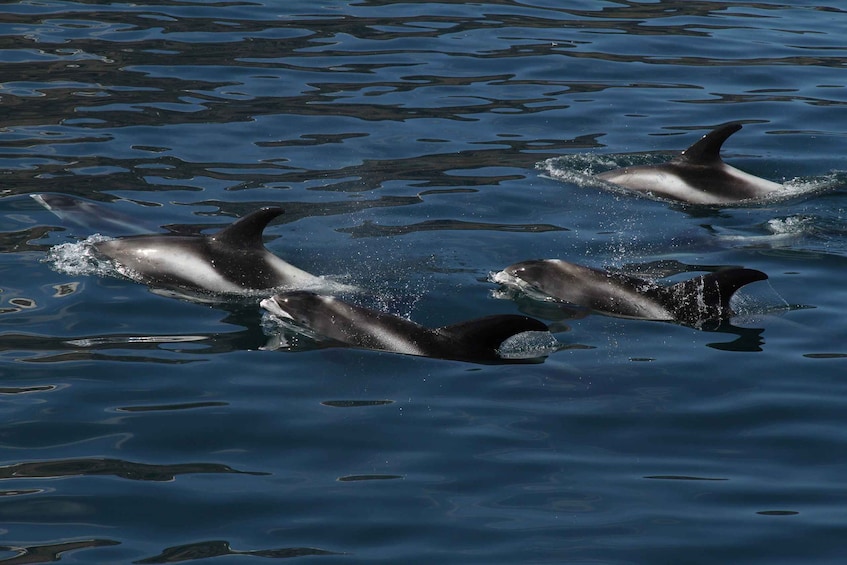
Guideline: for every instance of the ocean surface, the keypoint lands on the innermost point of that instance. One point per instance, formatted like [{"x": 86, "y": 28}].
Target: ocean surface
[{"x": 418, "y": 147}]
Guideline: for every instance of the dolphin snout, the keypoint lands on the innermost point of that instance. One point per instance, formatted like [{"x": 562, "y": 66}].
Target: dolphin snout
[
  {"x": 274, "y": 306},
  {"x": 528, "y": 271}
]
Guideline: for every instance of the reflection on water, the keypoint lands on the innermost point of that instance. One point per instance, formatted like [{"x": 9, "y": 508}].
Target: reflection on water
[
  {"x": 47, "y": 349},
  {"x": 50, "y": 553},
  {"x": 369, "y": 229},
  {"x": 116, "y": 467},
  {"x": 26, "y": 389}
]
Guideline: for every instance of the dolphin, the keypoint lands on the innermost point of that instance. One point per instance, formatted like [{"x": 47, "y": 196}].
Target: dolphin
[
  {"x": 691, "y": 302},
  {"x": 232, "y": 261},
  {"x": 327, "y": 318},
  {"x": 88, "y": 214},
  {"x": 697, "y": 176}
]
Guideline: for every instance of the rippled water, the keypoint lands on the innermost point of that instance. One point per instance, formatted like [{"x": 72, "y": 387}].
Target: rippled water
[{"x": 418, "y": 147}]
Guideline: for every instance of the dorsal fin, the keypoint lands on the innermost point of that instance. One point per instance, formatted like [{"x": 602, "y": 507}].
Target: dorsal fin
[
  {"x": 707, "y": 297},
  {"x": 480, "y": 338},
  {"x": 707, "y": 150},
  {"x": 247, "y": 231}
]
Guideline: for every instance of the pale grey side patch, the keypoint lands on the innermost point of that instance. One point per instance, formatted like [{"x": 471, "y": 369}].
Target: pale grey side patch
[
  {"x": 762, "y": 185},
  {"x": 293, "y": 276},
  {"x": 298, "y": 279},
  {"x": 178, "y": 263},
  {"x": 647, "y": 309},
  {"x": 388, "y": 339}
]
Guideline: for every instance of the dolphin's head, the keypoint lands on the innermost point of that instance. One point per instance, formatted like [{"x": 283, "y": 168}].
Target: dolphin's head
[
  {"x": 529, "y": 271},
  {"x": 300, "y": 308},
  {"x": 324, "y": 317},
  {"x": 541, "y": 275}
]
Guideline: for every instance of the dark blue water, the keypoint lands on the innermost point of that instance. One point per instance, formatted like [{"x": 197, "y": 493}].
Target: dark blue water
[{"x": 417, "y": 147}]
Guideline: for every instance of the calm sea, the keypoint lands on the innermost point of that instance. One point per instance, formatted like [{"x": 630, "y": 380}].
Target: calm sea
[{"x": 417, "y": 147}]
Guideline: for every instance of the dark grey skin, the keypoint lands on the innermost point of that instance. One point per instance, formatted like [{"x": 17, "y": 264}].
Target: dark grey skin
[
  {"x": 691, "y": 302},
  {"x": 231, "y": 261},
  {"x": 697, "y": 176},
  {"x": 329, "y": 318}
]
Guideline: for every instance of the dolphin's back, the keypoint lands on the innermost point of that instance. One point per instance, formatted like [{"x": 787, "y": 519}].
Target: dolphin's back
[{"x": 697, "y": 176}]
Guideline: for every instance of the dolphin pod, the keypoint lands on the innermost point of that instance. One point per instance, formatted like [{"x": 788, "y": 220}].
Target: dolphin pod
[
  {"x": 697, "y": 176},
  {"x": 234, "y": 260}
]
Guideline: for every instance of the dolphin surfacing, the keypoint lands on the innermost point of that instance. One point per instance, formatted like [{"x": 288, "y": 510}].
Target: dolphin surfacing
[
  {"x": 697, "y": 176},
  {"x": 691, "y": 302},
  {"x": 341, "y": 323},
  {"x": 232, "y": 261}
]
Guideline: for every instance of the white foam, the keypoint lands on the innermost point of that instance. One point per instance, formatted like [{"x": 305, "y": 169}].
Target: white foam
[
  {"x": 79, "y": 258},
  {"x": 790, "y": 226},
  {"x": 529, "y": 345},
  {"x": 755, "y": 300}
]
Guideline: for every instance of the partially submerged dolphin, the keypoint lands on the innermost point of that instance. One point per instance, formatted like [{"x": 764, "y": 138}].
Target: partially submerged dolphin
[
  {"x": 691, "y": 302},
  {"x": 697, "y": 176},
  {"x": 89, "y": 215},
  {"x": 327, "y": 318},
  {"x": 231, "y": 261}
]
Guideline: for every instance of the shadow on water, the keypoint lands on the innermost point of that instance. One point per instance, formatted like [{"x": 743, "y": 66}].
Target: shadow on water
[
  {"x": 749, "y": 339},
  {"x": 371, "y": 229}
]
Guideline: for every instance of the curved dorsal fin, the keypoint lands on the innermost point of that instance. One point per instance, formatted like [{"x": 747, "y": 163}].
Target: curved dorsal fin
[
  {"x": 707, "y": 296},
  {"x": 480, "y": 338},
  {"x": 247, "y": 231},
  {"x": 707, "y": 150}
]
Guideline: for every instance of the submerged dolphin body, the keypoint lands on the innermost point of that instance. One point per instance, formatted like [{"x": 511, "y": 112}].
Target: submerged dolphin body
[
  {"x": 231, "y": 261},
  {"x": 328, "y": 318},
  {"x": 89, "y": 214},
  {"x": 691, "y": 302},
  {"x": 697, "y": 176}
]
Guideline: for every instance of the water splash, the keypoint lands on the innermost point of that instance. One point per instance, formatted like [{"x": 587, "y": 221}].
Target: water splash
[
  {"x": 529, "y": 345},
  {"x": 580, "y": 169},
  {"x": 756, "y": 300},
  {"x": 808, "y": 230},
  {"x": 79, "y": 258}
]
